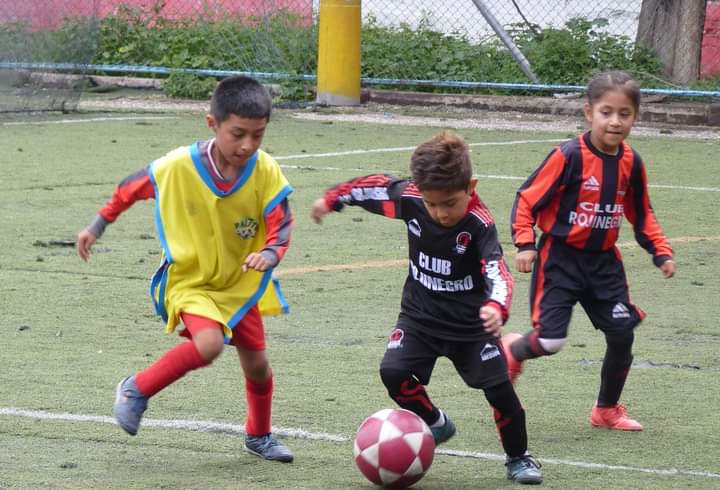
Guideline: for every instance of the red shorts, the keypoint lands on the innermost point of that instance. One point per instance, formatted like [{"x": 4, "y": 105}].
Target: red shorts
[{"x": 249, "y": 333}]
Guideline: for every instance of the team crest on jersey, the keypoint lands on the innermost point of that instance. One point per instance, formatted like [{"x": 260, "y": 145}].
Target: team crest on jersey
[
  {"x": 247, "y": 228},
  {"x": 462, "y": 242},
  {"x": 395, "y": 339}
]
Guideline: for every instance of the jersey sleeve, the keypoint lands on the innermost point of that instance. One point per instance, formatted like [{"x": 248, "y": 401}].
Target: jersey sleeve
[
  {"x": 639, "y": 212},
  {"x": 278, "y": 223},
  {"x": 532, "y": 196},
  {"x": 378, "y": 193},
  {"x": 135, "y": 187},
  {"x": 498, "y": 279}
]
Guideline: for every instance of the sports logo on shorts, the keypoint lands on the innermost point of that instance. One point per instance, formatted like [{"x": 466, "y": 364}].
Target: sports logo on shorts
[
  {"x": 247, "y": 228},
  {"x": 462, "y": 241},
  {"x": 620, "y": 311},
  {"x": 395, "y": 339},
  {"x": 488, "y": 352}
]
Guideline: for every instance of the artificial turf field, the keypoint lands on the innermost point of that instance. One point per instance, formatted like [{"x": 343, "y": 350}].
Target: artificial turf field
[{"x": 71, "y": 330}]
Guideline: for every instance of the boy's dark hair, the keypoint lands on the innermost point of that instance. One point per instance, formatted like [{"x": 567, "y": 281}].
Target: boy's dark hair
[
  {"x": 613, "y": 80},
  {"x": 243, "y": 96},
  {"x": 442, "y": 163}
]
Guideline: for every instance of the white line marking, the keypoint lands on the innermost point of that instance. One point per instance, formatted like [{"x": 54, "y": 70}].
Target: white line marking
[
  {"x": 581, "y": 464},
  {"x": 408, "y": 148},
  {"x": 210, "y": 426},
  {"x": 91, "y": 119},
  {"x": 192, "y": 425},
  {"x": 489, "y": 177}
]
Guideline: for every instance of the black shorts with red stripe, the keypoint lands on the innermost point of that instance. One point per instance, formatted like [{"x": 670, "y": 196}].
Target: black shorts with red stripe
[{"x": 564, "y": 275}]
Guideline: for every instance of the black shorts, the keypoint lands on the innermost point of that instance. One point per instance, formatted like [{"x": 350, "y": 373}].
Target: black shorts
[
  {"x": 480, "y": 363},
  {"x": 564, "y": 275}
]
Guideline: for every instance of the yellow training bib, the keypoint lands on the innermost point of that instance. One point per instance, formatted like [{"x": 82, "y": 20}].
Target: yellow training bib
[{"x": 206, "y": 234}]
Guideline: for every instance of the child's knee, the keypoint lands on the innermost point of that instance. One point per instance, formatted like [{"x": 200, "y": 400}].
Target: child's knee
[
  {"x": 255, "y": 364},
  {"x": 209, "y": 343},
  {"x": 551, "y": 346},
  {"x": 393, "y": 378}
]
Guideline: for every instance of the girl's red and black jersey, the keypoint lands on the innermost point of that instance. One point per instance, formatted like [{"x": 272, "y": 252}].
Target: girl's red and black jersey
[
  {"x": 580, "y": 195},
  {"x": 452, "y": 272}
]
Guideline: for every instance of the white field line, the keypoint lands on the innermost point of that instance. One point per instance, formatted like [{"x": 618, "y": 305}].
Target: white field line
[
  {"x": 408, "y": 148},
  {"x": 86, "y": 120},
  {"x": 480, "y": 176},
  {"x": 210, "y": 426}
]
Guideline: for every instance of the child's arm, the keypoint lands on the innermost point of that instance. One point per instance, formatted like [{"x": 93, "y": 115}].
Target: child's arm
[
  {"x": 378, "y": 193},
  {"x": 537, "y": 191},
  {"x": 133, "y": 188},
  {"x": 496, "y": 310},
  {"x": 278, "y": 223},
  {"x": 646, "y": 227}
]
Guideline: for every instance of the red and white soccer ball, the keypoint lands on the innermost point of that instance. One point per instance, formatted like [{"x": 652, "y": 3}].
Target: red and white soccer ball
[{"x": 394, "y": 448}]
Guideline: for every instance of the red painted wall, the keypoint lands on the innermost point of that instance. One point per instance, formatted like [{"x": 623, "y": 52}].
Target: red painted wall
[
  {"x": 710, "y": 59},
  {"x": 44, "y": 14}
]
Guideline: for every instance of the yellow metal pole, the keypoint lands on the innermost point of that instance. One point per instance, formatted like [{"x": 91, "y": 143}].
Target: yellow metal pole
[{"x": 338, "y": 72}]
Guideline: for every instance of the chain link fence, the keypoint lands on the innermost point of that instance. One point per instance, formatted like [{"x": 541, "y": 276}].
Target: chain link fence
[{"x": 669, "y": 44}]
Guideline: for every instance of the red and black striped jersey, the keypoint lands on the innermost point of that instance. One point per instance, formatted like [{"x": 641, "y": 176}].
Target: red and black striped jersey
[
  {"x": 580, "y": 195},
  {"x": 453, "y": 271}
]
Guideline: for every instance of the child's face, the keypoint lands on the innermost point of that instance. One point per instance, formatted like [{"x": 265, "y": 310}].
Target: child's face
[
  {"x": 611, "y": 117},
  {"x": 447, "y": 207},
  {"x": 237, "y": 138}
]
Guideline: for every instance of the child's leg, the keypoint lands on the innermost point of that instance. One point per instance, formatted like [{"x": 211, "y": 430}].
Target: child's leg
[
  {"x": 409, "y": 393},
  {"x": 258, "y": 390},
  {"x": 207, "y": 343},
  {"x": 509, "y": 418},
  {"x": 405, "y": 369},
  {"x": 249, "y": 340},
  {"x": 556, "y": 286},
  {"x": 615, "y": 368}
]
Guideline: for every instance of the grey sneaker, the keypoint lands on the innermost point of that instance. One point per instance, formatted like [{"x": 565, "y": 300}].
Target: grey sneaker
[
  {"x": 445, "y": 432},
  {"x": 524, "y": 469},
  {"x": 267, "y": 447},
  {"x": 130, "y": 405}
]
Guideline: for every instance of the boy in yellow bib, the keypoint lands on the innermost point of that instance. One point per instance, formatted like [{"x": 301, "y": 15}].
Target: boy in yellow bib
[{"x": 223, "y": 221}]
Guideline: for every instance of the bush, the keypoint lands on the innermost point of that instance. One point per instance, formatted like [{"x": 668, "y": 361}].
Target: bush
[{"x": 287, "y": 44}]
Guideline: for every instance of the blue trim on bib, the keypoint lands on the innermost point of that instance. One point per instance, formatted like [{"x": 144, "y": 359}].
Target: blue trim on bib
[
  {"x": 280, "y": 295},
  {"x": 158, "y": 217},
  {"x": 235, "y": 319},
  {"x": 207, "y": 178},
  {"x": 284, "y": 192},
  {"x": 159, "y": 279}
]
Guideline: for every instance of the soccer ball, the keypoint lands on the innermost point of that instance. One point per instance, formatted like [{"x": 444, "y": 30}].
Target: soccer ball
[{"x": 394, "y": 448}]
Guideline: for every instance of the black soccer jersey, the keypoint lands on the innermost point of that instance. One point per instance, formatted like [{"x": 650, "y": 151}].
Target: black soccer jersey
[{"x": 452, "y": 272}]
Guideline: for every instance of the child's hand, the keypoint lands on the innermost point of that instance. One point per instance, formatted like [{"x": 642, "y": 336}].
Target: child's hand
[
  {"x": 85, "y": 241},
  {"x": 256, "y": 262},
  {"x": 524, "y": 260},
  {"x": 319, "y": 210},
  {"x": 492, "y": 320},
  {"x": 668, "y": 268}
]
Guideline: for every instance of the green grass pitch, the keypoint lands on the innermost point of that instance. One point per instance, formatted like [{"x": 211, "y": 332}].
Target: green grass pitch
[{"x": 71, "y": 330}]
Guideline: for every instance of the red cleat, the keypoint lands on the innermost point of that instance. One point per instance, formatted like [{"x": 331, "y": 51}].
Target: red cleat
[
  {"x": 514, "y": 366},
  {"x": 614, "y": 418}
]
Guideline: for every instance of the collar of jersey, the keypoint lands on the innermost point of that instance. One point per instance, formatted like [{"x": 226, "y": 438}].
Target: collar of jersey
[
  {"x": 603, "y": 155},
  {"x": 207, "y": 178}
]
